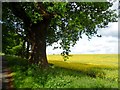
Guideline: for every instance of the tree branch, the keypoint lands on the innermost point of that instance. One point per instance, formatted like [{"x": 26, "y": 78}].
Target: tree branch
[
  {"x": 43, "y": 11},
  {"x": 19, "y": 12}
]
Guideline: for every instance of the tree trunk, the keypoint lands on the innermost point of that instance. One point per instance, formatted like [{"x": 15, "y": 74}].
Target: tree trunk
[
  {"x": 27, "y": 49},
  {"x": 22, "y": 52},
  {"x": 38, "y": 40}
]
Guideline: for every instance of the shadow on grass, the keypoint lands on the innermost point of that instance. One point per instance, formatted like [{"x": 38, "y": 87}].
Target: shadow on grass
[{"x": 22, "y": 65}]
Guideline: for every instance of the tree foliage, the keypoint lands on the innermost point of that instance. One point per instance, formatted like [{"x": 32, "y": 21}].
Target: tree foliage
[{"x": 68, "y": 21}]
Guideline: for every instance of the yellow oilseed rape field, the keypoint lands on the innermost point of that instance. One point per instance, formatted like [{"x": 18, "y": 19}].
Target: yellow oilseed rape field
[{"x": 86, "y": 60}]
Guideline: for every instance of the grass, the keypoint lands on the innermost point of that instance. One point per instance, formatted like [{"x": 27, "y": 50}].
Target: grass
[{"x": 80, "y": 71}]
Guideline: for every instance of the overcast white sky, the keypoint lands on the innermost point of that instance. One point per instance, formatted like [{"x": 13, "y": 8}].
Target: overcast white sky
[{"x": 107, "y": 44}]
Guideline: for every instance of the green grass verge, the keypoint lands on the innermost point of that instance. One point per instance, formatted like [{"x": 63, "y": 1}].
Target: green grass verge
[{"x": 26, "y": 76}]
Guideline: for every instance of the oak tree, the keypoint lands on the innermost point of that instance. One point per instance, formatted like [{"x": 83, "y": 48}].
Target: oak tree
[{"x": 44, "y": 23}]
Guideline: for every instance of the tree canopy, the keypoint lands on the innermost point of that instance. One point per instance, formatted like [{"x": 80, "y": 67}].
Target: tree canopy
[{"x": 43, "y": 23}]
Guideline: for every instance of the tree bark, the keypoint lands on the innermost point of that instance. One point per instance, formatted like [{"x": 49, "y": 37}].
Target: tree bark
[
  {"x": 38, "y": 40},
  {"x": 27, "y": 49}
]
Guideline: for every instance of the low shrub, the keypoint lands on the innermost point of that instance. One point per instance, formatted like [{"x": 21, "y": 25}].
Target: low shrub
[{"x": 95, "y": 73}]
